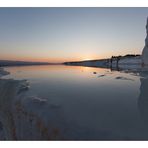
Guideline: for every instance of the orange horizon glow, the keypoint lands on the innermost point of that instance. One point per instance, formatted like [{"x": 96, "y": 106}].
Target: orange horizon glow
[
  {"x": 51, "y": 60},
  {"x": 61, "y": 60},
  {"x": 64, "y": 35}
]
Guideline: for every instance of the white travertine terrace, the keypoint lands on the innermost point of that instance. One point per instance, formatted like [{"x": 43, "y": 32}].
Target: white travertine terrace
[{"x": 145, "y": 49}]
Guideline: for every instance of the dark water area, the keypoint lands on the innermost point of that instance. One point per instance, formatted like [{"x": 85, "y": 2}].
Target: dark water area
[{"x": 75, "y": 103}]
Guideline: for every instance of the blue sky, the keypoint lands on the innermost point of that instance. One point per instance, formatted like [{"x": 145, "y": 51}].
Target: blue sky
[{"x": 66, "y": 34}]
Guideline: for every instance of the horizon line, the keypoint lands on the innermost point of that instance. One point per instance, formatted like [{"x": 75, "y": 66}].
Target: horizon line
[{"x": 6, "y": 60}]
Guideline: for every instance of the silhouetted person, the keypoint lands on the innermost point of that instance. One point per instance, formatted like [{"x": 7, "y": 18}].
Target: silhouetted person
[
  {"x": 111, "y": 61},
  {"x": 118, "y": 58}
]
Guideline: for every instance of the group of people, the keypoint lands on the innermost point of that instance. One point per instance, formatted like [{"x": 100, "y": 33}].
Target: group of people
[{"x": 115, "y": 58}]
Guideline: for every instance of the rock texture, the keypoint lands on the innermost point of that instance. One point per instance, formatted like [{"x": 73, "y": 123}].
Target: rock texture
[{"x": 145, "y": 49}]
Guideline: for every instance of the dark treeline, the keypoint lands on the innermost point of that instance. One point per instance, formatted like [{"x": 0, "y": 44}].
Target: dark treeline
[
  {"x": 20, "y": 63},
  {"x": 126, "y": 56}
]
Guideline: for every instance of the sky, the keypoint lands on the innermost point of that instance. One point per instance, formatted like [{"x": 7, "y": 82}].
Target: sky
[{"x": 70, "y": 34}]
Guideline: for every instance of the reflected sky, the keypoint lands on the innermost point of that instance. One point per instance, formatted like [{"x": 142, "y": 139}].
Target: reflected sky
[
  {"x": 65, "y": 34},
  {"x": 103, "y": 107}
]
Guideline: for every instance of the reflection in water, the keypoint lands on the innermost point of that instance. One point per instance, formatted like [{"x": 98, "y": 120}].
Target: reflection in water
[
  {"x": 143, "y": 97},
  {"x": 72, "y": 103}
]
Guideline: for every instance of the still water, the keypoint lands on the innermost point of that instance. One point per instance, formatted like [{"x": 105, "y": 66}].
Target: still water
[{"x": 81, "y": 103}]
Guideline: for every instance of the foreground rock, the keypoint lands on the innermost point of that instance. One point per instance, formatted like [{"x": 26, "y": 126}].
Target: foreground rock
[
  {"x": 24, "y": 117},
  {"x": 3, "y": 72}
]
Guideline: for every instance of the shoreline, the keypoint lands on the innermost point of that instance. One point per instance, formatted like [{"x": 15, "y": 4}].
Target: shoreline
[
  {"x": 125, "y": 63},
  {"x": 4, "y": 63},
  {"x": 3, "y": 72},
  {"x": 29, "y": 111}
]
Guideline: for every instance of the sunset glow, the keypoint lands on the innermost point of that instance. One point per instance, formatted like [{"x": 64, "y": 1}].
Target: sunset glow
[{"x": 70, "y": 34}]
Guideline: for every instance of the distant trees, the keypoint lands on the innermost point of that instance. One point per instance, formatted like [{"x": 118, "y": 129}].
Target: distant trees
[
  {"x": 128, "y": 55},
  {"x": 131, "y": 55}
]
